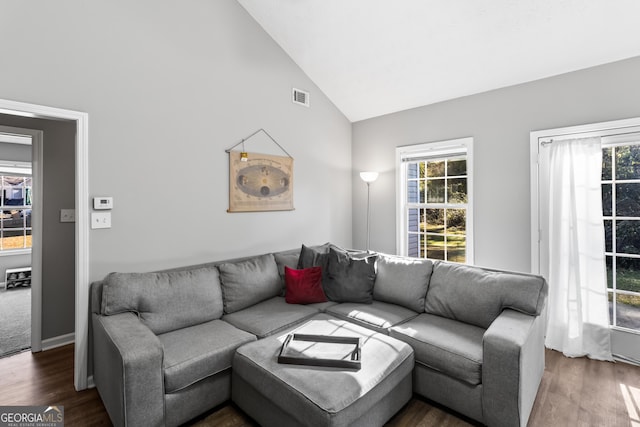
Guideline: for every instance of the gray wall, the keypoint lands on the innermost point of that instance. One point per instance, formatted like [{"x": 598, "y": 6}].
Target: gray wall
[
  {"x": 500, "y": 122},
  {"x": 58, "y": 239},
  {"x": 167, "y": 92}
]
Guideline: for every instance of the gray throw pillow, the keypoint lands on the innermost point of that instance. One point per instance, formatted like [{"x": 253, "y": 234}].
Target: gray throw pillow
[
  {"x": 403, "y": 281},
  {"x": 349, "y": 279},
  {"x": 286, "y": 259},
  {"x": 165, "y": 301},
  {"x": 315, "y": 256},
  {"x": 249, "y": 282}
]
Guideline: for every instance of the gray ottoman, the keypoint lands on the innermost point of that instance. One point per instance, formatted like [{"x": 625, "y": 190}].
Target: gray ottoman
[{"x": 277, "y": 394}]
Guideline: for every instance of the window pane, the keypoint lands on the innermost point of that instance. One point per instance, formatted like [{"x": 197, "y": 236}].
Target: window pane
[
  {"x": 457, "y": 188},
  {"x": 413, "y": 245},
  {"x": 412, "y": 170},
  {"x": 413, "y": 220},
  {"x": 422, "y": 191},
  {"x": 435, "y": 169},
  {"x": 628, "y": 274},
  {"x": 628, "y": 237},
  {"x": 606, "y": 163},
  {"x": 412, "y": 191},
  {"x": 435, "y": 247},
  {"x": 435, "y": 191},
  {"x": 608, "y": 235},
  {"x": 606, "y": 200},
  {"x": 422, "y": 172},
  {"x": 609, "y": 263},
  {"x": 628, "y": 311},
  {"x": 628, "y": 199},
  {"x": 456, "y": 221},
  {"x": 628, "y": 162},
  {"x": 434, "y": 220},
  {"x": 456, "y": 248},
  {"x": 456, "y": 167},
  {"x": 423, "y": 245}
]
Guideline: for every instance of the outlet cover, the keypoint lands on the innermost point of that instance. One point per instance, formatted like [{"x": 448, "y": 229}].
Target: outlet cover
[{"x": 67, "y": 215}]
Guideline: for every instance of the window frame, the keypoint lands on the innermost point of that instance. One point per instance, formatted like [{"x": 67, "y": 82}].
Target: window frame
[{"x": 446, "y": 149}]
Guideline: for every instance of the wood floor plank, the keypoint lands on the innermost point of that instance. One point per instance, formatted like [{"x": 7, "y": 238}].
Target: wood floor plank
[{"x": 573, "y": 392}]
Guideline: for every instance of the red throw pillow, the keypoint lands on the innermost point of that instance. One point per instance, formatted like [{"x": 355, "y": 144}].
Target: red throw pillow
[{"x": 304, "y": 286}]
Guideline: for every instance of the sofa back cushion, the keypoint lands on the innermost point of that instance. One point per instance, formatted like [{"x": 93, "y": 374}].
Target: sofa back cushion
[
  {"x": 165, "y": 301},
  {"x": 477, "y": 296},
  {"x": 402, "y": 281},
  {"x": 249, "y": 282}
]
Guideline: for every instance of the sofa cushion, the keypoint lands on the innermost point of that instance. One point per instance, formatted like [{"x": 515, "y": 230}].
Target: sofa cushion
[
  {"x": 286, "y": 259},
  {"x": 477, "y": 296},
  {"x": 349, "y": 278},
  {"x": 379, "y": 316},
  {"x": 197, "y": 352},
  {"x": 165, "y": 301},
  {"x": 402, "y": 280},
  {"x": 451, "y": 347},
  {"x": 270, "y": 316},
  {"x": 304, "y": 286},
  {"x": 248, "y": 282}
]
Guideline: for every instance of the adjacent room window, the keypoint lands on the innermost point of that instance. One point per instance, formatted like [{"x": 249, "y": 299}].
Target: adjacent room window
[
  {"x": 434, "y": 207},
  {"x": 15, "y": 205},
  {"x": 621, "y": 213}
]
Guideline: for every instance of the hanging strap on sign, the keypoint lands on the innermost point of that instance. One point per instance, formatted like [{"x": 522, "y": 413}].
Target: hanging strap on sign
[{"x": 254, "y": 134}]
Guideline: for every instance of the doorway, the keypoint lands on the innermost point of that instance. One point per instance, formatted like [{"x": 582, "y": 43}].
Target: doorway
[
  {"x": 81, "y": 192},
  {"x": 20, "y": 249}
]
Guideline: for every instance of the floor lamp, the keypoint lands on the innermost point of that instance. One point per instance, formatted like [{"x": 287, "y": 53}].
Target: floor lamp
[{"x": 368, "y": 177}]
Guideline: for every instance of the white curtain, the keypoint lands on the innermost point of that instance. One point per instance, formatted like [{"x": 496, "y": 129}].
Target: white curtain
[{"x": 578, "y": 313}]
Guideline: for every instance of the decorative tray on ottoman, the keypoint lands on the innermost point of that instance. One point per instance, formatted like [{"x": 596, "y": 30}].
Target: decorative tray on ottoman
[{"x": 321, "y": 350}]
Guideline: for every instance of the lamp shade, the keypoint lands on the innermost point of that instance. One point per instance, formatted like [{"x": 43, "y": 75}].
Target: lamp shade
[{"x": 369, "y": 176}]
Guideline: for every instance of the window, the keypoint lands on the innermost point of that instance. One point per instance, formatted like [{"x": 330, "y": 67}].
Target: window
[
  {"x": 621, "y": 214},
  {"x": 434, "y": 207},
  {"x": 15, "y": 208}
]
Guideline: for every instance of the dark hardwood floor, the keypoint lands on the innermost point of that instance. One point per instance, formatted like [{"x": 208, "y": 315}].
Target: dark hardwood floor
[{"x": 574, "y": 392}]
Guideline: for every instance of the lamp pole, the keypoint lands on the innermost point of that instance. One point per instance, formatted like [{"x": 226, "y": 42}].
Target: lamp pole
[{"x": 368, "y": 177}]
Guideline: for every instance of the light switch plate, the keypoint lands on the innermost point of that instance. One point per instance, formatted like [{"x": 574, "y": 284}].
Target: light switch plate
[
  {"x": 100, "y": 220},
  {"x": 67, "y": 215}
]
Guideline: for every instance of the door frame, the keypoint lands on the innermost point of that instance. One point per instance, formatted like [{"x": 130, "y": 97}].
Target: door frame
[
  {"x": 82, "y": 277},
  {"x": 36, "y": 223}
]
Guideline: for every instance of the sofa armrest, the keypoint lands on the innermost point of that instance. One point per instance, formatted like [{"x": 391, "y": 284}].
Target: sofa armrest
[
  {"x": 128, "y": 361},
  {"x": 512, "y": 368}
]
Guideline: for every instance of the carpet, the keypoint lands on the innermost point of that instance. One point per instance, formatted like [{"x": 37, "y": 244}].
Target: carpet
[{"x": 15, "y": 320}]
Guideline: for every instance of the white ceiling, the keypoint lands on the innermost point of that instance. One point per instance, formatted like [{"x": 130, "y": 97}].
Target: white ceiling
[{"x": 373, "y": 57}]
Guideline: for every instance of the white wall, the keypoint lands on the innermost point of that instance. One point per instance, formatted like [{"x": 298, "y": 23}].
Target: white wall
[
  {"x": 500, "y": 122},
  {"x": 168, "y": 86}
]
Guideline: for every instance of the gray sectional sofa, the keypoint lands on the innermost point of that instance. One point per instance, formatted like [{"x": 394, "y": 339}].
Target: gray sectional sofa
[{"x": 164, "y": 342}]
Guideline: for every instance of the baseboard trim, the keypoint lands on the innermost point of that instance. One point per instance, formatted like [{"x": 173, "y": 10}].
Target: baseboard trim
[
  {"x": 59, "y": 341},
  {"x": 90, "y": 383}
]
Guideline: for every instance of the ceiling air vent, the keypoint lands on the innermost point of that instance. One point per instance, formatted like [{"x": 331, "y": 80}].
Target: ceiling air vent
[{"x": 300, "y": 97}]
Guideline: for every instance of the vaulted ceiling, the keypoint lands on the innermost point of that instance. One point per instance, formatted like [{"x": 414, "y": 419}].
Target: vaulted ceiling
[{"x": 374, "y": 57}]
